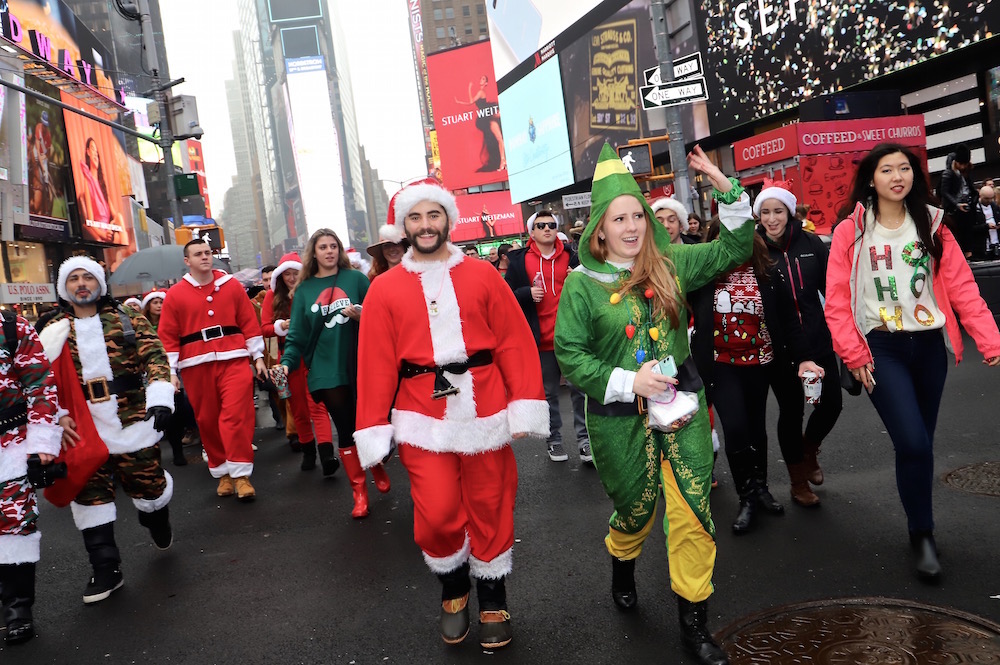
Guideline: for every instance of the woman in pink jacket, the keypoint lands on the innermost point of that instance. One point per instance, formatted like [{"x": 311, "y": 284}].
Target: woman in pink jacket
[{"x": 895, "y": 282}]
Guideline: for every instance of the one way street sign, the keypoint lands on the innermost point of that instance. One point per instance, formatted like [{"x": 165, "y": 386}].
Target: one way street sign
[{"x": 673, "y": 93}]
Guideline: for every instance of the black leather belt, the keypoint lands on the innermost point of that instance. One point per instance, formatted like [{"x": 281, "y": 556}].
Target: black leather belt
[
  {"x": 100, "y": 390},
  {"x": 210, "y": 333},
  {"x": 13, "y": 417},
  {"x": 442, "y": 387}
]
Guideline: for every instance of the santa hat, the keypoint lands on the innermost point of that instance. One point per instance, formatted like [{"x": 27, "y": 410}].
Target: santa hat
[
  {"x": 133, "y": 302},
  {"x": 675, "y": 206},
  {"x": 357, "y": 261},
  {"x": 388, "y": 234},
  {"x": 289, "y": 261},
  {"x": 544, "y": 213},
  {"x": 776, "y": 189},
  {"x": 425, "y": 189},
  {"x": 74, "y": 263},
  {"x": 152, "y": 295}
]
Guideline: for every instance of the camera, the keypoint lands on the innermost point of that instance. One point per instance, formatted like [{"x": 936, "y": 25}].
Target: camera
[{"x": 42, "y": 475}]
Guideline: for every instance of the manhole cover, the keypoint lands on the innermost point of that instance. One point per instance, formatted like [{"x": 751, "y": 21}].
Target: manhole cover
[
  {"x": 982, "y": 478},
  {"x": 861, "y": 631}
]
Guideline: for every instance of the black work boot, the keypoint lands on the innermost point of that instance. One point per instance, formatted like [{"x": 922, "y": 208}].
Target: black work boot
[
  {"x": 495, "y": 630},
  {"x": 766, "y": 500},
  {"x": 328, "y": 459},
  {"x": 927, "y": 565},
  {"x": 694, "y": 633},
  {"x": 18, "y": 584},
  {"x": 623, "y": 583},
  {"x": 158, "y": 523},
  {"x": 308, "y": 456},
  {"x": 455, "y": 587},
  {"x": 106, "y": 561}
]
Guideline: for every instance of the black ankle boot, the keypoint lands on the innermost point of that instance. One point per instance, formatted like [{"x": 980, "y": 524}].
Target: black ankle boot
[
  {"x": 694, "y": 633},
  {"x": 293, "y": 443},
  {"x": 18, "y": 584},
  {"x": 454, "y": 621},
  {"x": 623, "y": 583},
  {"x": 744, "y": 518},
  {"x": 328, "y": 459},
  {"x": 768, "y": 503},
  {"x": 106, "y": 561},
  {"x": 158, "y": 523},
  {"x": 308, "y": 456},
  {"x": 927, "y": 566}
]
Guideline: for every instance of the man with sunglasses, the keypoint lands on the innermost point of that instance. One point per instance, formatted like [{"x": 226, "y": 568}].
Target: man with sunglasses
[{"x": 536, "y": 274}]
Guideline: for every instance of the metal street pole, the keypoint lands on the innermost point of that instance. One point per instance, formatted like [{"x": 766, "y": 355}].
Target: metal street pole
[
  {"x": 678, "y": 156},
  {"x": 160, "y": 94}
]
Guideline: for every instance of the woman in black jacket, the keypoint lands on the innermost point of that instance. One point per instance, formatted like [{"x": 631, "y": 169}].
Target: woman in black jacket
[{"x": 799, "y": 270}]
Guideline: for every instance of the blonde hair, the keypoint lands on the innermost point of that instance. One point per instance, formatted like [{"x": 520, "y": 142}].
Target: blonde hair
[
  {"x": 651, "y": 270},
  {"x": 309, "y": 265}
]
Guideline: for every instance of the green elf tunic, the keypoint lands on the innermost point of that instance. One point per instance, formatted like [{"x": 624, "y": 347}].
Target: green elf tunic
[{"x": 597, "y": 355}]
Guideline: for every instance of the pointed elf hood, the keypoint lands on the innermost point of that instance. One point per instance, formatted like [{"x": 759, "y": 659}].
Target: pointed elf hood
[{"x": 611, "y": 180}]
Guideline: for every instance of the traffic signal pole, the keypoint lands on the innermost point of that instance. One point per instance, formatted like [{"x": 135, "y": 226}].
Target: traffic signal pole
[{"x": 678, "y": 156}]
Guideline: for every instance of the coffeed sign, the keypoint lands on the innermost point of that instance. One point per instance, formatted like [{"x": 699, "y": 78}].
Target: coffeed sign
[{"x": 16, "y": 293}]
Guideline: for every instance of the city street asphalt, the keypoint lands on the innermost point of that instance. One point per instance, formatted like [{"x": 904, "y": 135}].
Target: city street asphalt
[{"x": 291, "y": 578}]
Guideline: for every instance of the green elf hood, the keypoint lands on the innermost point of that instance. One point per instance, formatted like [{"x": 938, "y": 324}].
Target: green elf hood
[{"x": 611, "y": 180}]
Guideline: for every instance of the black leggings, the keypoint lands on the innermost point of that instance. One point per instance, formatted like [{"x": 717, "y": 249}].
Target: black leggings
[
  {"x": 787, "y": 387},
  {"x": 341, "y": 402}
]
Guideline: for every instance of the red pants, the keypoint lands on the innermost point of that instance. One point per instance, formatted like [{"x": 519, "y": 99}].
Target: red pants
[
  {"x": 221, "y": 394},
  {"x": 306, "y": 412},
  {"x": 463, "y": 508}
]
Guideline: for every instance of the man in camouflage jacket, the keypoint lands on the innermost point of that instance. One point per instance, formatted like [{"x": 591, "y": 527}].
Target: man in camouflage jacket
[{"x": 123, "y": 377}]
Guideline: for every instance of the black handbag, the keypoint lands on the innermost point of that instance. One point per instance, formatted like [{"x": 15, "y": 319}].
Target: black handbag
[{"x": 847, "y": 380}]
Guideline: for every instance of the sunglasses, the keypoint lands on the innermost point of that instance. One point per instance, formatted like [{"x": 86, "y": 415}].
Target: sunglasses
[{"x": 547, "y": 225}]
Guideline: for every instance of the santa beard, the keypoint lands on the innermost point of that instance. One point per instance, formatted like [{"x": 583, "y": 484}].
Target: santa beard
[{"x": 92, "y": 298}]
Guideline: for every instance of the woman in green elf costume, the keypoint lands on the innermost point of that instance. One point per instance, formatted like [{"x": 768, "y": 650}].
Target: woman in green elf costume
[{"x": 623, "y": 310}]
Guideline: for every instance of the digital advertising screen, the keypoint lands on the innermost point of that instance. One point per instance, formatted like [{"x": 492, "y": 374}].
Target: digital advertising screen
[
  {"x": 100, "y": 175},
  {"x": 519, "y": 28},
  {"x": 767, "y": 56},
  {"x": 536, "y": 136},
  {"x": 467, "y": 116},
  {"x": 48, "y": 154},
  {"x": 485, "y": 216}
]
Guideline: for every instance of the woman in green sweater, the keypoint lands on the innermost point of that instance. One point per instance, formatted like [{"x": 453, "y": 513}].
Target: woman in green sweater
[
  {"x": 323, "y": 334},
  {"x": 623, "y": 310}
]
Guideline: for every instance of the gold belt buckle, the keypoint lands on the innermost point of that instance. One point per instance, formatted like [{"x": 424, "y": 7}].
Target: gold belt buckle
[{"x": 103, "y": 384}]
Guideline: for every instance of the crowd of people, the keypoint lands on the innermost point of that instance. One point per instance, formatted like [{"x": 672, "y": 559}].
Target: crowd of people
[{"x": 651, "y": 318}]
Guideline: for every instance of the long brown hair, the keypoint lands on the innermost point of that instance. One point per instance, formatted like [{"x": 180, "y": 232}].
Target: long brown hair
[
  {"x": 147, "y": 311},
  {"x": 282, "y": 303},
  {"x": 761, "y": 259},
  {"x": 309, "y": 265},
  {"x": 651, "y": 270}
]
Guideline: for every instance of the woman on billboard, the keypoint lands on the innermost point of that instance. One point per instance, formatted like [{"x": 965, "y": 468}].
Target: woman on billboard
[
  {"x": 492, "y": 153},
  {"x": 95, "y": 204}
]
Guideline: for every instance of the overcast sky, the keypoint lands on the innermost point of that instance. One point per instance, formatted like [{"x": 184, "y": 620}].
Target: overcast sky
[{"x": 199, "y": 43}]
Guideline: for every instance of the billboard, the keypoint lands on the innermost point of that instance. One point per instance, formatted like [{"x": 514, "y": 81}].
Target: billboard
[
  {"x": 101, "y": 177},
  {"x": 519, "y": 28},
  {"x": 469, "y": 134},
  {"x": 764, "y": 57},
  {"x": 48, "y": 155},
  {"x": 316, "y": 146},
  {"x": 487, "y": 215},
  {"x": 536, "y": 139}
]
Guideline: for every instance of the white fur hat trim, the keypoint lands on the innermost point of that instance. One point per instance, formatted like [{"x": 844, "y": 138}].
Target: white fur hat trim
[
  {"x": 780, "y": 193},
  {"x": 675, "y": 206},
  {"x": 414, "y": 194},
  {"x": 282, "y": 267},
  {"x": 544, "y": 213},
  {"x": 74, "y": 263},
  {"x": 151, "y": 295}
]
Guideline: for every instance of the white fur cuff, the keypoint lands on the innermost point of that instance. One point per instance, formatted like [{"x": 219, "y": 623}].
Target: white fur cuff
[
  {"x": 43, "y": 438},
  {"x": 735, "y": 215},
  {"x": 160, "y": 393},
  {"x": 446, "y": 564},
  {"x": 280, "y": 328},
  {"x": 528, "y": 416},
  {"x": 150, "y": 505},
  {"x": 373, "y": 444},
  {"x": 255, "y": 345},
  {"x": 219, "y": 471},
  {"x": 240, "y": 469},
  {"x": 492, "y": 570},
  {"x": 87, "y": 517},
  {"x": 20, "y": 549},
  {"x": 172, "y": 357}
]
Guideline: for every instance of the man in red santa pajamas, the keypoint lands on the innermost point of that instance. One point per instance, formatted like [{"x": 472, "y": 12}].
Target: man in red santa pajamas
[
  {"x": 449, "y": 332},
  {"x": 209, "y": 330}
]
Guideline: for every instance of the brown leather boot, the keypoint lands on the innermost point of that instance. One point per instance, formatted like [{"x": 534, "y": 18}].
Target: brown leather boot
[
  {"x": 226, "y": 486},
  {"x": 801, "y": 493},
  {"x": 244, "y": 490},
  {"x": 810, "y": 450}
]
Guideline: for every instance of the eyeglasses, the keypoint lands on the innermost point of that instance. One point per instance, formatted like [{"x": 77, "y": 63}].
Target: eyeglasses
[{"x": 547, "y": 225}]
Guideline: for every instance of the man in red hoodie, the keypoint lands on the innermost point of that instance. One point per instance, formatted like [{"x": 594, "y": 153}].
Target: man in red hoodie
[{"x": 536, "y": 274}]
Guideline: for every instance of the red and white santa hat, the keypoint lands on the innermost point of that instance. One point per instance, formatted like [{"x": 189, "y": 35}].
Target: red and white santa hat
[
  {"x": 424, "y": 189},
  {"x": 290, "y": 261},
  {"x": 75, "y": 262},
  {"x": 146, "y": 299},
  {"x": 675, "y": 206},
  {"x": 776, "y": 189},
  {"x": 388, "y": 234},
  {"x": 132, "y": 302}
]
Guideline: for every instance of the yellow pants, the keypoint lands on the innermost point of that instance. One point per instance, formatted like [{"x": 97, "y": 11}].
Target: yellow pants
[{"x": 690, "y": 548}]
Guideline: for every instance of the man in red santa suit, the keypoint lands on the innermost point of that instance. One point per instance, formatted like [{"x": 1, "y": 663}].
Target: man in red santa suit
[
  {"x": 449, "y": 333},
  {"x": 209, "y": 330}
]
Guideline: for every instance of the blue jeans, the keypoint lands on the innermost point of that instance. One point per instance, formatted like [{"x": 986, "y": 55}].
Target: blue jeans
[
  {"x": 551, "y": 374},
  {"x": 910, "y": 370}
]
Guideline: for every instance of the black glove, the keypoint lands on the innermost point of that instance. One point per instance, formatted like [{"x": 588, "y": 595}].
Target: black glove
[
  {"x": 160, "y": 415},
  {"x": 42, "y": 475}
]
